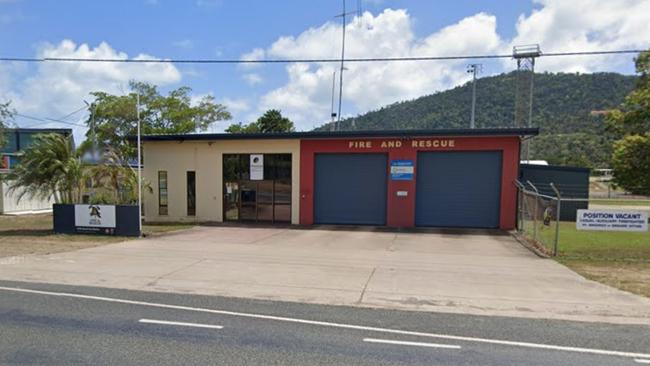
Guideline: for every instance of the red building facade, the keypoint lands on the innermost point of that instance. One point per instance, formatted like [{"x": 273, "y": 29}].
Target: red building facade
[{"x": 402, "y": 194}]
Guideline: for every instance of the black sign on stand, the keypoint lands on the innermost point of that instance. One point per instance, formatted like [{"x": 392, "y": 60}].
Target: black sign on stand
[{"x": 119, "y": 220}]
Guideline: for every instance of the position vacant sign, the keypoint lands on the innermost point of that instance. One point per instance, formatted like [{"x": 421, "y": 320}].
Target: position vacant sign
[
  {"x": 94, "y": 216},
  {"x": 612, "y": 220}
]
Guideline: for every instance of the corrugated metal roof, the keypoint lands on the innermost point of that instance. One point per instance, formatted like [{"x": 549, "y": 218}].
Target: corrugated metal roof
[{"x": 341, "y": 134}]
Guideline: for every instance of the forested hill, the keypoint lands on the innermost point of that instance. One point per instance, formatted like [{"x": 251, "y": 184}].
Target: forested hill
[{"x": 565, "y": 108}]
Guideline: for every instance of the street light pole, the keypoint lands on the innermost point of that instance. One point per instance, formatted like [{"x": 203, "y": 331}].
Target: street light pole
[{"x": 139, "y": 167}]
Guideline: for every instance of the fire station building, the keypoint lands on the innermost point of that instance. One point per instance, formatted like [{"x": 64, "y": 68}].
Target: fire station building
[{"x": 413, "y": 178}]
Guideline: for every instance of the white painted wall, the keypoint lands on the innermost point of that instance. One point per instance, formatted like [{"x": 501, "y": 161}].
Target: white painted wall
[{"x": 10, "y": 204}]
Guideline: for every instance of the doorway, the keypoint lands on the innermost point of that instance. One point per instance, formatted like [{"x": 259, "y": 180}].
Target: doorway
[{"x": 266, "y": 200}]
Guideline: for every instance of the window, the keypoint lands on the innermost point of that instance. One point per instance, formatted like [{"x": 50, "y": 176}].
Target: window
[
  {"x": 277, "y": 166},
  {"x": 191, "y": 193},
  {"x": 162, "y": 193},
  {"x": 236, "y": 167}
]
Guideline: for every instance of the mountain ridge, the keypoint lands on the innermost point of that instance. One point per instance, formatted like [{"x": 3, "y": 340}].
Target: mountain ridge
[{"x": 567, "y": 108}]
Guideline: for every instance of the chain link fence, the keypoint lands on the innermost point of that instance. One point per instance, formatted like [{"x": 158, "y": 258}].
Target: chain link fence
[
  {"x": 547, "y": 220},
  {"x": 538, "y": 218}
]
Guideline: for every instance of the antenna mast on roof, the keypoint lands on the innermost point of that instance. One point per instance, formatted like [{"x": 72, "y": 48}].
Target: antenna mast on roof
[
  {"x": 474, "y": 69},
  {"x": 342, "y": 68},
  {"x": 525, "y": 56}
]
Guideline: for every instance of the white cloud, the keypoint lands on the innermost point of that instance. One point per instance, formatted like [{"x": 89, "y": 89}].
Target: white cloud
[
  {"x": 253, "y": 79},
  {"x": 585, "y": 25},
  {"x": 306, "y": 97},
  {"x": 235, "y": 106},
  {"x": 558, "y": 25},
  {"x": 255, "y": 54},
  {"x": 57, "y": 88}
]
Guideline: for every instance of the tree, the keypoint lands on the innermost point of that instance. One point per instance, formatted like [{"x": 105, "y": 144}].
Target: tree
[
  {"x": 631, "y": 156},
  {"x": 631, "y": 163},
  {"x": 49, "y": 167},
  {"x": 6, "y": 113},
  {"x": 114, "y": 117},
  {"x": 271, "y": 121},
  {"x": 115, "y": 181},
  {"x": 52, "y": 167},
  {"x": 243, "y": 128}
]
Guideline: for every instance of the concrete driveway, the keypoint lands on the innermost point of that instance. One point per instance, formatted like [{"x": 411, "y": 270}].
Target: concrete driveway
[{"x": 464, "y": 272}]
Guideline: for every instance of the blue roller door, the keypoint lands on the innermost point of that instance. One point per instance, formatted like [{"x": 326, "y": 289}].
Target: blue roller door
[
  {"x": 458, "y": 189},
  {"x": 350, "y": 189}
]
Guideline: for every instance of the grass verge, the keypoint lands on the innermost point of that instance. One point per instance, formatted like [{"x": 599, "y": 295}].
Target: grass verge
[
  {"x": 618, "y": 259},
  {"x": 32, "y": 234},
  {"x": 628, "y": 276}
]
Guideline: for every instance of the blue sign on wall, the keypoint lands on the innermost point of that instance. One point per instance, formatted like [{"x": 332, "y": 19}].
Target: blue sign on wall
[{"x": 401, "y": 169}]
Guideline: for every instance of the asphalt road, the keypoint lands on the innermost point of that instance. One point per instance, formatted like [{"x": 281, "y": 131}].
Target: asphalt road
[{"x": 64, "y": 325}]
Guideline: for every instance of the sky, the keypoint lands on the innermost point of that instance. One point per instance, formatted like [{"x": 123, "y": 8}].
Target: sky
[{"x": 292, "y": 29}]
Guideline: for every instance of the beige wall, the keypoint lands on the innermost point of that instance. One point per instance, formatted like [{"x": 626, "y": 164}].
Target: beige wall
[{"x": 206, "y": 159}]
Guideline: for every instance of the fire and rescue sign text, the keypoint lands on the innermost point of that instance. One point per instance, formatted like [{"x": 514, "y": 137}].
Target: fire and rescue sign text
[{"x": 391, "y": 144}]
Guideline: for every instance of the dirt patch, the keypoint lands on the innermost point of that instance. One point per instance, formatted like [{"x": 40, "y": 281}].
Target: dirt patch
[
  {"x": 32, "y": 234},
  {"x": 10, "y": 247},
  {"x": 628, "y": 276}
]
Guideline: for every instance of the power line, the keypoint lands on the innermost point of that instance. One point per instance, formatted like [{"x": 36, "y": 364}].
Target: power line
[
  {"x": 307, "y": 60},
  {"x": 48, "y": 120},
  {"x": 74, "y": 112}
]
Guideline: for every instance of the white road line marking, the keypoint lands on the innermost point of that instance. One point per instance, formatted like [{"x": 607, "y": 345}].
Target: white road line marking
[
  {"x": 182, "y": 324},
  {"x": 336, "y": 325},
  {"x": 405, "y": 343},
  {"x": 642, "y": 361}
]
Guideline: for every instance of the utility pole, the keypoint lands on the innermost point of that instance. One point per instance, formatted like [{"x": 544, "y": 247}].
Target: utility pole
[
  {"x": 338, "y": 121},
  {"x": 92, "y": 108},
  {"x": 474, "y": 69},
  {"x": 332, "y": 113},
  {"x": 343, "y": 15},
  {"x": 137, "y": 106}
]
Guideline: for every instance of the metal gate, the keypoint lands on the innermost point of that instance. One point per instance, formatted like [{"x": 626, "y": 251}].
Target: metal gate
[
  {"x": 458, "y": 189},
  {"x": 350, "y": 189}
]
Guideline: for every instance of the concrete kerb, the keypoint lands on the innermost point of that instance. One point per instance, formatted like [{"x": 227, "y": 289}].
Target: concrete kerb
[{"x": 530, "y": 245}]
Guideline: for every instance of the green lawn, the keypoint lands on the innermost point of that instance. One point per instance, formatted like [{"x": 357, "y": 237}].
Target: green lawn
[
  {"x": 604, "y": 245},
  {"x": 618, "y": 259}
]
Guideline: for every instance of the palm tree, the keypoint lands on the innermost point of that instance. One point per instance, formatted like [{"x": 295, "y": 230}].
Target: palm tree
[
  {"x": 49, "y": 167},
  {"x": 116, "y": 176}
]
